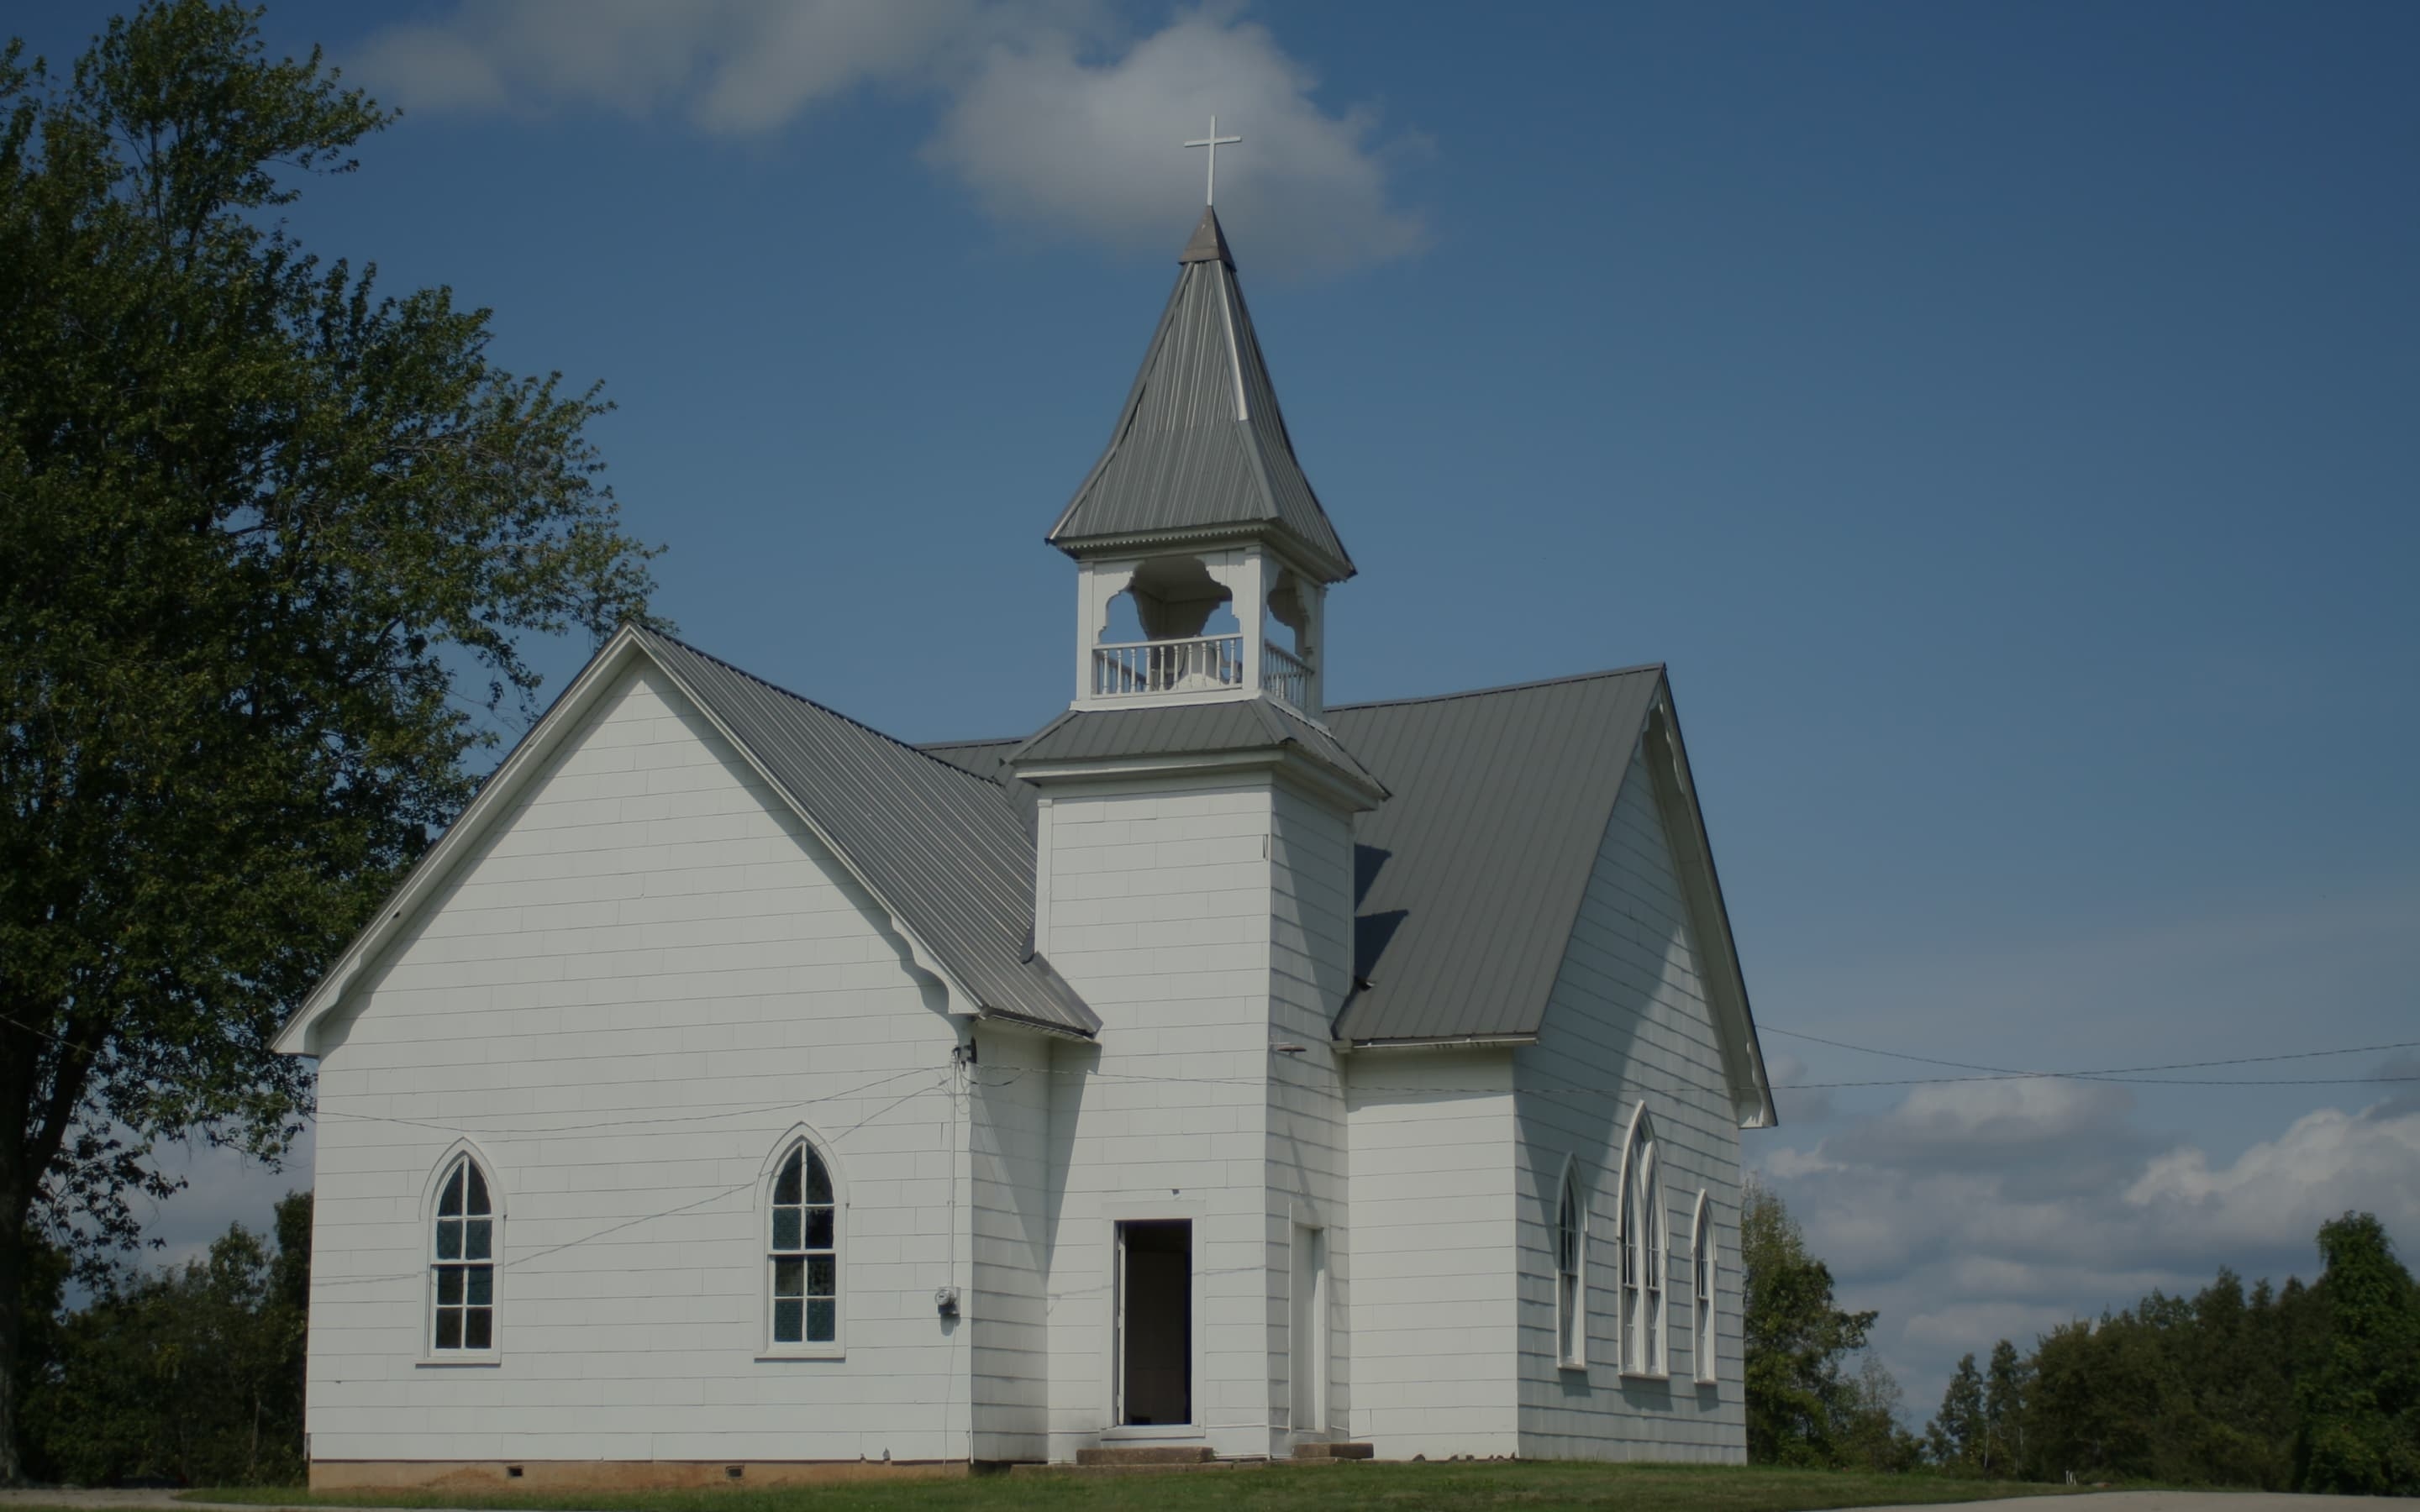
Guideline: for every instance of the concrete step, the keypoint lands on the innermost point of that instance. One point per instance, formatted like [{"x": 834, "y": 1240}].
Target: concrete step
[
  {"x": 1332, "y": 1451},
  {"x": 1129, "y": 1456}
]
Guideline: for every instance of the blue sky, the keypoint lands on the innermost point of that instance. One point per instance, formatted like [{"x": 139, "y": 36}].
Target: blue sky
[{"x": 2005, "y": 421}]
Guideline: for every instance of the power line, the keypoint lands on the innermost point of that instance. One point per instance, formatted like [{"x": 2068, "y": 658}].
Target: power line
[{"x": 2110, "y": 1073}]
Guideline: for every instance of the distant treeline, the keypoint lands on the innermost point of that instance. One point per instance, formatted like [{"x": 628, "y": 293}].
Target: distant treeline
[
  {"x": 2299, "y": 1388},
  {"x": 2310, "y": 1388},
  {"x": 195, "y": 1374},
  {"x": 191, "y": 1375}
]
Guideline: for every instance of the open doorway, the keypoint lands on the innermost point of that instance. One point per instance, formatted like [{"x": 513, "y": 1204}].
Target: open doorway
[{"x": 1154, "y": 1344}]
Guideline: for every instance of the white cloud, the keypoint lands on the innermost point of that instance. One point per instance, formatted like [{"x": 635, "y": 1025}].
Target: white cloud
[
  {"x": 1054, "y": 118},
  {"x": 2326, "y": 1162},
  {"x": 1046, "y": 138},
  {"x": 1972, "y": 1212}
]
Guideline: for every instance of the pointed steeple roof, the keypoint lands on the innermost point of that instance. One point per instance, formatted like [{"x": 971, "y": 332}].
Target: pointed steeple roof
[{"x": 1199, "y": 450}]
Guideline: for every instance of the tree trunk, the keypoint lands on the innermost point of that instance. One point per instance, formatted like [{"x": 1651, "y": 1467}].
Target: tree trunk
[{"x": 12, "y": 1328}]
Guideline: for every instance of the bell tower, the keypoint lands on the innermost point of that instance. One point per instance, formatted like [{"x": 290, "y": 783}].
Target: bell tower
[
  {"x": 1203, "y": 559},
  {"x": 1193, "y": 880}
]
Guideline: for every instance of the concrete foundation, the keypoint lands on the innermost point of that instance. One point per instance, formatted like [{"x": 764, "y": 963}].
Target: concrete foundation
[{"x": 613, "y": 1475}]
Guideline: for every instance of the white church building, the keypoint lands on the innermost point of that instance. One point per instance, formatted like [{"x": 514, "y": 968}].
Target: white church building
[{"x": 737, "y": 1093}]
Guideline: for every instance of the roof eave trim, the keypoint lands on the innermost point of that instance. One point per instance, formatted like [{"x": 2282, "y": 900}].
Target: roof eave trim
[
  {"x": 495, "y": 794},
  {"x": 1734, "y": 1021},
  {"x": 512, "y": 775},
  {"x": 918, "y": 950},
  {"x": 1329, "y": 568},
  {"x": 1021, "y": 1020},
  {"x": 1289, "y": 758},
  {"x": 1450, "y": 1042}
]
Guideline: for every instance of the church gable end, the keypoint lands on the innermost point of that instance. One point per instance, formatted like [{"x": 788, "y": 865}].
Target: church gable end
[
  {"x": 627, "y": 994},
  {"x": 1632, "y": 1040}
]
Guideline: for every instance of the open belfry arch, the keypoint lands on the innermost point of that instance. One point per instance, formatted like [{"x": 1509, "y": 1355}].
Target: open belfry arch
[{"x": 1216, "y": 1071}]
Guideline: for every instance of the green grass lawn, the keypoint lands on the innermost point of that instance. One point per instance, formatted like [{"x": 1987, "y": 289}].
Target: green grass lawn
[{"x": 1529, "y": 1486}]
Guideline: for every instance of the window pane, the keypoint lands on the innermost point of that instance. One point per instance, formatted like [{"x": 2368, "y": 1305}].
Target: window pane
[
  {"x": 785, "y": 1229},
  {"x": 787, "y": 1322},
  {"x": 481, "y": 1287},
  {"x": 823, "y": 1318},
  {"x": 479, "y": 1179},
  {"x": 819, "y": 1181},
  {"x": 449, "y": 1239},
  {"x": 479, "y": 1329},
  {"x": 785, "y": 1186},
  {"x": 449, "y": 1329},
  {"x": 822, "y": 1274},
  {"x": 449, "y": 1204},
  {"x": 819, "y": 1229},
  {"x": 449, "y": 1286},
  {"x": 475, "y": 1239},
  {"x": 789, "y": 1277}
]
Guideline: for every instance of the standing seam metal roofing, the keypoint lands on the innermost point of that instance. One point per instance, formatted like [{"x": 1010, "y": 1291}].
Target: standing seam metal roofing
[
  {"x": 1256, "y": 723},
  {"x": 1200, "y": 442},
  {"x": 945, "y": 848},
  {"x": 1469, "y": 879}
]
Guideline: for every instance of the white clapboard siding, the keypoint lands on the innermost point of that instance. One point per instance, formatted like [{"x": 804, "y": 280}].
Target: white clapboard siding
[
  {"x": 1432, "y": 1304},
  {"x": 1311, "y": 971},
  {"x": 1007, "y": 1307},
  {"x": 1627, "y": 1013},
  {"x": 646, "y": 975},
  {"x": 1156, "y": 909}
]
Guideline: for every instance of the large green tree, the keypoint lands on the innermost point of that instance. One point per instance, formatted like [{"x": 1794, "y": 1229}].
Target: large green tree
[
  {"x": 1955, "y": 1438},
  {"x": 2004, "y": 1409},
  {"x": 256, "y": 520},
  {"x": 1799, "y": 1398},
  {"x": 2360, "y": 1428}
]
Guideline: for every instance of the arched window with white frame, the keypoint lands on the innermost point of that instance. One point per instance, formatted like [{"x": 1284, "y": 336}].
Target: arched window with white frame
[
  {"x": 1701, "y": 1288},
  {"x": 462, "y": 1261},
  {"x": 1644, "y": 1248},
  {"x": 1571, "y": 1253},
  {"x": 802, "y": 1251}
]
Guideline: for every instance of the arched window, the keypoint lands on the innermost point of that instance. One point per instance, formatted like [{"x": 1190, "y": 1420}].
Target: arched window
[
  {"x": 462, "y": 1262},
  {"x": 1644, "y": 1244},
  {"x": 1571, "y": 1294},
  {"x": 1701, "y": 1288},
  {"x": 803, "y": 1254}
]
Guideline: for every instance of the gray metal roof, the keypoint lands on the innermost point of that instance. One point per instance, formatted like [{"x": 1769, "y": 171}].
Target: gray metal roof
[
  {"x": 946, "y": 850},
  {"x": 1469, "y": 878},
  {"x": 1256, "y": 723},
  {"x": 1199, "y": 447}
]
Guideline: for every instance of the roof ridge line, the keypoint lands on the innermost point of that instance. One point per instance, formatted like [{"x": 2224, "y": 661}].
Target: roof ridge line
[
  {"x": 1504, "y": 687},
  {"x": 823, "y": 708}
]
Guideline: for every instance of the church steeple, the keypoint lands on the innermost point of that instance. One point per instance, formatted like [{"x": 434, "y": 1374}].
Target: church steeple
[
  {"x": 1197, "y": 504},
  {"x": 1200, "y": 449}
]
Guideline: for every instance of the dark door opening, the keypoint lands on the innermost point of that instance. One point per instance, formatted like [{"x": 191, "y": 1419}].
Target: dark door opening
[{"x": 1155, "y": 1323}]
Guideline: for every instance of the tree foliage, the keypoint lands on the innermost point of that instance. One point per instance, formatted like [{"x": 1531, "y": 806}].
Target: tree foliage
[
  {"x": 2359, "y": 1399},
  {"x": 2312, "y": 1388},
  {"x": 192, "y": 1375},
  {"x": 1955, "y": 1438},
  {"x": 1801, "y": 1402},
  {"x": 260, "y": 517}
]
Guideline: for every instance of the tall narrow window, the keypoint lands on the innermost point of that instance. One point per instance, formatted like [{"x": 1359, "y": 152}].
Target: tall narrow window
[
  {"x": 1643, "y": 1253},
  {"x": 462, "y": 1267},
  {"x": 805, "y": 1251},
  {"x": 1701, "y": 1288},
  {"x": 1571, "y": 1238}
]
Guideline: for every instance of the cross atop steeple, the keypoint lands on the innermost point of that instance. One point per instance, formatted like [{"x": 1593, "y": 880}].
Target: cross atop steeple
[{"x": 1213, "y": 141}]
